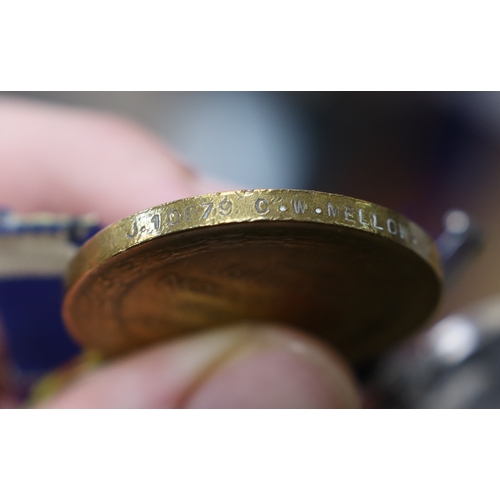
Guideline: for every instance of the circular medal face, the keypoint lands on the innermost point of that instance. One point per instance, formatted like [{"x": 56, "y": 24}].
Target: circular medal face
[{"x": 358, "y": 275}]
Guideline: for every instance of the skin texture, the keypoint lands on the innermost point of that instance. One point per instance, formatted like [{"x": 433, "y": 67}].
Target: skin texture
[{"x": 66, "y": 160}]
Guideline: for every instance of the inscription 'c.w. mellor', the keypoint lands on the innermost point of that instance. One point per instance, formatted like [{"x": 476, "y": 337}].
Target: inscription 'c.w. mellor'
[{"x": 346, "y": 214}]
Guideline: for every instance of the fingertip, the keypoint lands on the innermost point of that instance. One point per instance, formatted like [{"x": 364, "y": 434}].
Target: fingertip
[{"x": 279, "y": 367}]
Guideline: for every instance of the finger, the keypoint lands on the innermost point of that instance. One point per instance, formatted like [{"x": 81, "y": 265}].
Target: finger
[
  {"x": 245, "y": 366},
  {"x": 62, "y": 159}
]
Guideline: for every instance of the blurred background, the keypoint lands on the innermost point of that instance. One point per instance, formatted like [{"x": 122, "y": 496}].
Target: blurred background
[{"x": 419, "y": 153}]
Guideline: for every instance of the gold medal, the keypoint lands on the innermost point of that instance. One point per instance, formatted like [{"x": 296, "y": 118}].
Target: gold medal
[{"x": 358, "y": 275}]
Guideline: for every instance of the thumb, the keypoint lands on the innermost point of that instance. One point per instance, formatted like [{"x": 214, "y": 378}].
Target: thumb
[{"x": 244, "y": 366}]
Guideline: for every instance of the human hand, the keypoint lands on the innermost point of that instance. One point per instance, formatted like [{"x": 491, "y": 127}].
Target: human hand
[{"x": 65, "y": 160}]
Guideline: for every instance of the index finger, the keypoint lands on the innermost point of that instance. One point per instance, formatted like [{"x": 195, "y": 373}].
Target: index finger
[{"x": 54, "y": 158}]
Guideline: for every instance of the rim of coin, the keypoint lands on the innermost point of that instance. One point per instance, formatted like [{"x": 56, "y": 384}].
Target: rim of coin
[{"x": 294, "y": 210}]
